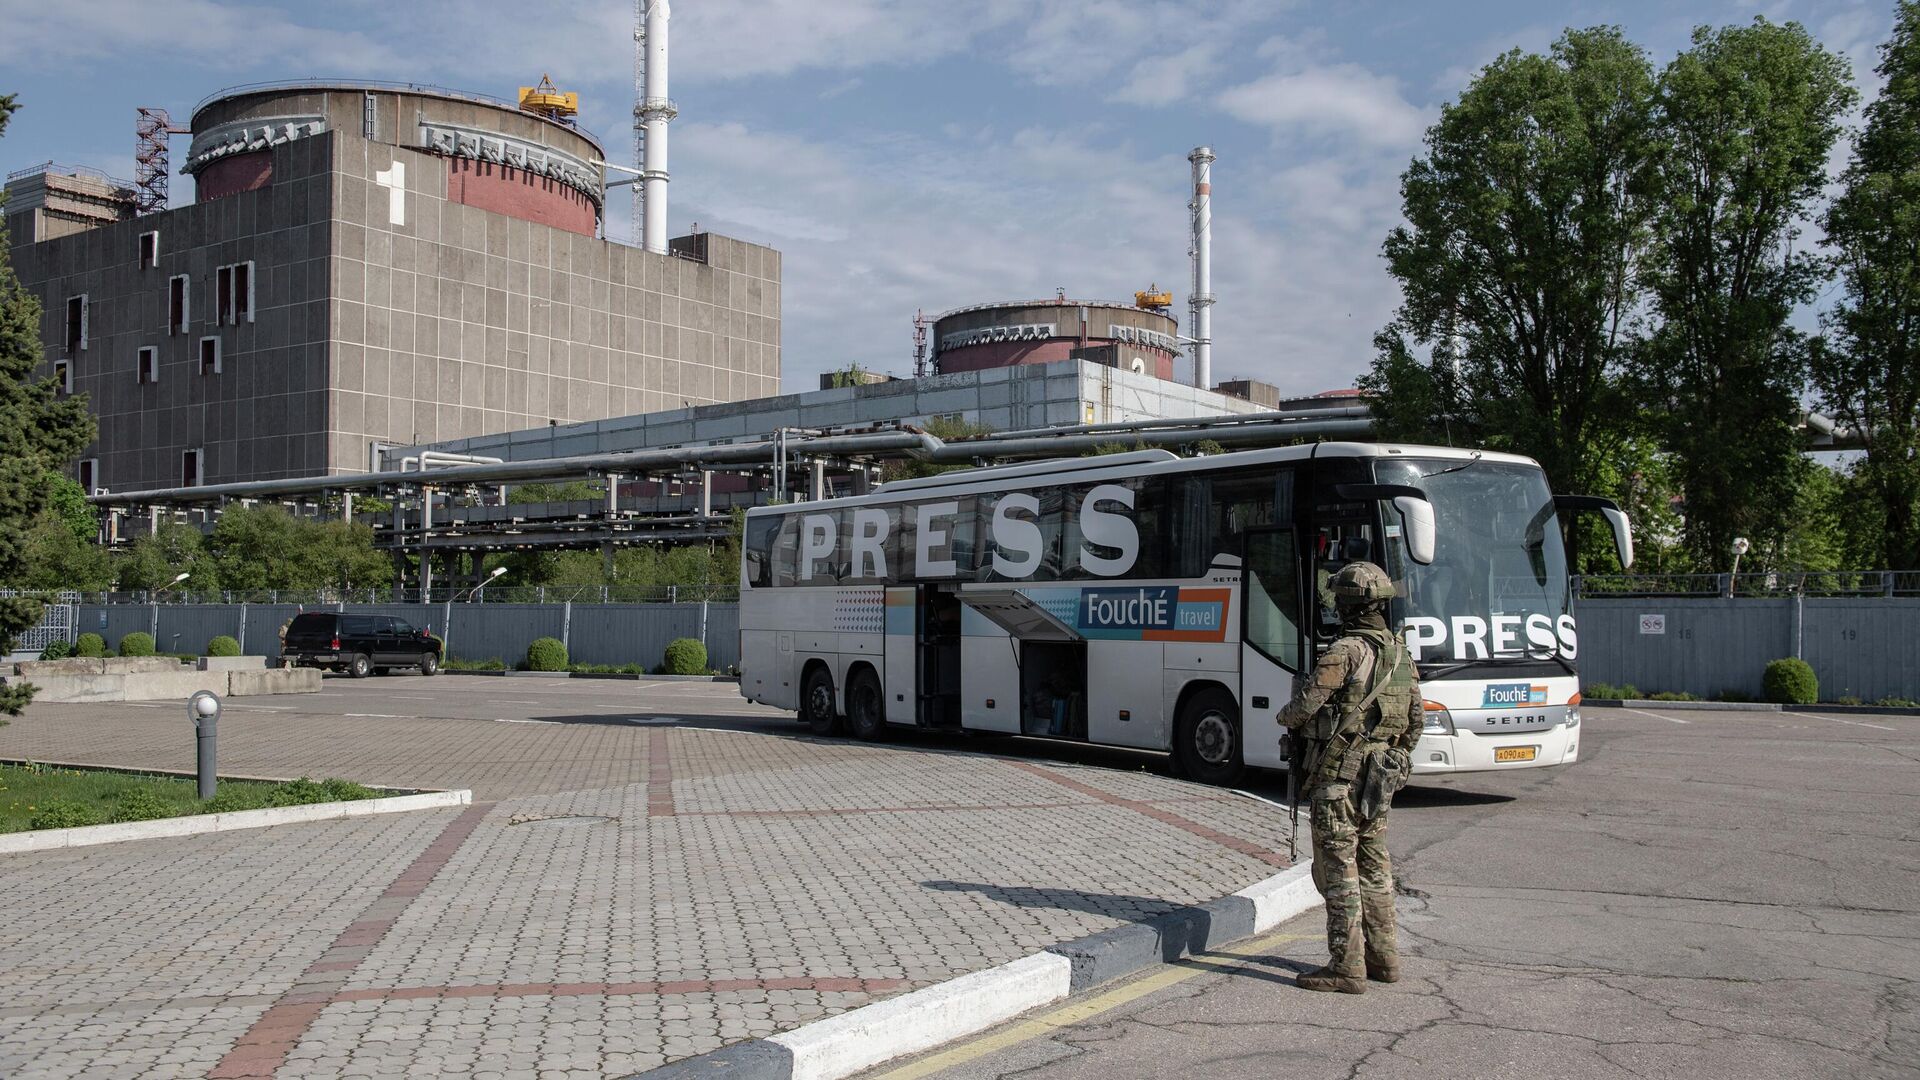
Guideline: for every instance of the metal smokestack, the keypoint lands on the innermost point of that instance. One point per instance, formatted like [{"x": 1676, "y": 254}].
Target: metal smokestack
[
  {"x": 650, "y": 116},
  {"x": 1200, "y": 303}
]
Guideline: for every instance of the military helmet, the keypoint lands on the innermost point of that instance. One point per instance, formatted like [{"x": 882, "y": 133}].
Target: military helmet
[{"x": 1360, "y": 583}]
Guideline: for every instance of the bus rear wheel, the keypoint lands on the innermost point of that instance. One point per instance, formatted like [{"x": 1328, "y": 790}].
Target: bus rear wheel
[
  {"x": 1206, "y": 743},
  {"x": 816, "y": 703},
  {"x": 866, "y": 706}
]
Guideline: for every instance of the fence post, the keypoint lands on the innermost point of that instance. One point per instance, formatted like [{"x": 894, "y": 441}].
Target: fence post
[
  {"x": 243, "y": 628},
  {"x": 1799, "y": 624},
  {"x": 153, "y": 624},
  {"x": 566, "y": 627},
  {"x": 703, "y": 624},
  {"x": 1886, "y": 581}
]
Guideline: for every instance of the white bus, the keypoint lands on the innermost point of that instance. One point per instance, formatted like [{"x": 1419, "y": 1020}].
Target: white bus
[{"x": 1147, "y": 600}]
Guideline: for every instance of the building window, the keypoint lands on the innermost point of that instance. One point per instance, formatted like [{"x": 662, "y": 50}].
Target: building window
[
  {"x": 209, "y": 356},
  {"x": 179, "y": 308},
  {"x": 148, "y": 367},
  {"x": 89, "y": 472},
  {"x": 63, "y": 376},
  {"x": 76, "y": 323},
  {"x": 233, "y": 286},
  {"x": 191, "y": 467},
  {"x": 149, "y": 250}
]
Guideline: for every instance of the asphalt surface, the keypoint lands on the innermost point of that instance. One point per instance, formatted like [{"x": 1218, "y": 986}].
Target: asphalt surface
[{"x": 1705, "y": 895}]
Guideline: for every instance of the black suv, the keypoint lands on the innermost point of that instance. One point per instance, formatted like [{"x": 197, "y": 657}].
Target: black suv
[{"x": 359, "y": 645}]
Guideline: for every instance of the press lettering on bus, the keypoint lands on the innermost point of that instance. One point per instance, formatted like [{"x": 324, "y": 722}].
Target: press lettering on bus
[
  {"x": 1019, "y": 536},
  {"x": 816, "y": 542},
  {"x": 869, "y": 542},
  {"x": 926, "y": 538}
]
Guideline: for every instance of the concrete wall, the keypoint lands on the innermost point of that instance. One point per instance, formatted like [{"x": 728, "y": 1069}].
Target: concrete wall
[
  {"x": 1003, "y": 399},
  {"x": 265, "y": 414},
  {"x": 453, "y": 322},
  {"x": 594, "y": 633},
  {"x": 1867, "y": 648}
]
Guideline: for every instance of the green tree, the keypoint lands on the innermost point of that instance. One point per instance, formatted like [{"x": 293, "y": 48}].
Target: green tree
[
  {"x": 570, "y": 491},
  {"x": 1746, "y": 118},
  {"x": 945, "y": 428},
  {"x": 154, "y": 559},
  {"x": 1867, "y": 369},
  {"x": 1526, "y": 222},
  {"x": 55, "y": 558},
  {"x": 39, "y": 431},
  {"x": 264, "y": 547}
]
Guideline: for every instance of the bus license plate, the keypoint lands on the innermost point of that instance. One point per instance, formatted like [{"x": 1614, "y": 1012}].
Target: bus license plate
[{"x": 1513, "y": 753}]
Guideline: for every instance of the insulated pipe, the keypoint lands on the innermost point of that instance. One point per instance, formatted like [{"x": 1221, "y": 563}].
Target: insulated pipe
[
  {"x": 1201, "y": 301},
  {"x": 1043, "y": 446},
  {"x": 1329, "y": 412}
]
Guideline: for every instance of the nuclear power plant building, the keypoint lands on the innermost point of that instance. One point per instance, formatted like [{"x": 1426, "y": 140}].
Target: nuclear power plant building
[{"x": 367, "y": 266}]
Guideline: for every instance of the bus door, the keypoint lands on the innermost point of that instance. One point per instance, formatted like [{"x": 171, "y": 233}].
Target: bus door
[
  {"x": 939, "y": 651},
  {"x": 1272, "y": 642}
]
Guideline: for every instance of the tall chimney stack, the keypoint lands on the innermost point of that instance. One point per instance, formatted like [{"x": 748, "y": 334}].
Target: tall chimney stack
[
  {"x": 1201, "y": 300},
  {"x": 650, "y": 116}
]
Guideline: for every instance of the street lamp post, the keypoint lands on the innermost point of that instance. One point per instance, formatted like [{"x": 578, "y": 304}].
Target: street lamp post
[{"x": 153, "y": 624}]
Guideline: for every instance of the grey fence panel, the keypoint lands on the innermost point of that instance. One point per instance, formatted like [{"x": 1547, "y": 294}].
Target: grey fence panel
[
  {"x": 1864, "y": 648},
  {"x": 503, "y": 631},
  {"x": 114, "y": 621},
  {"x": 639, "y": 633}
]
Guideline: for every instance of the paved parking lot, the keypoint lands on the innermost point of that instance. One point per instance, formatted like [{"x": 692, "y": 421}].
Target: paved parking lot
[
  {"x": 649, "y": 870},
  {"x": 1706, "y": 895}
]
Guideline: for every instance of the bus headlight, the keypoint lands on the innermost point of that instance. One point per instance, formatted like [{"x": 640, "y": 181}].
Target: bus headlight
[
  {"x": 1436, "y": 720},
  {"x": 1573, "y": 710}
]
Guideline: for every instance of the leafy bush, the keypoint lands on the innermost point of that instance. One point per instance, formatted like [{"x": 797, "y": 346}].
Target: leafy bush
[
  {"x": 1791, "y": 682},
  {"x": 90, "y": 644},
  {"x": 1897, "y": 703},
  {"x": 1734, "y": 695},
  {"x": 455, "y": 663},
  {"x": 138, "y": 643},
  {"x": 339, "y": 790},
  {"x": 140, "y": 804},
  {"x": 1609, "y": 690},
  {"x": 64, "y": 814},
  {"x": 223, "y": 646},
  {"x": 1673, "y": 695},
  {"x": 1846, "y": 699},
  {"x": 303, "y": 791},
  {"x": 546, "y": 654},
  {"x": 685, "y": 656},
  {"x": 57, "y": 650}
]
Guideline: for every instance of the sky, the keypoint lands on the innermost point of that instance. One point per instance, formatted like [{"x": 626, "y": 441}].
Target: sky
[{"x": 912, "y": 155}]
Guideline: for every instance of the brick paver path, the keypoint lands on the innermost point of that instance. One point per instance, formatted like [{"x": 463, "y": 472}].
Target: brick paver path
[{"x": 629, "y": 889}]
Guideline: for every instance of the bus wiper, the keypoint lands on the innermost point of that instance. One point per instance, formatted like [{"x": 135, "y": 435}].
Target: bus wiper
[{"x": 1470, "y": 462}]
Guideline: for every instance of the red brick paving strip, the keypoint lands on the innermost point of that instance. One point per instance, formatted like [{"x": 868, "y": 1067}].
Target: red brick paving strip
[
  {"x": 1235, "y": 843},
  {"x": 659, "y": 776},
  {"x": 264, "y": 1048},
  {"x": 684, "y": 986}
]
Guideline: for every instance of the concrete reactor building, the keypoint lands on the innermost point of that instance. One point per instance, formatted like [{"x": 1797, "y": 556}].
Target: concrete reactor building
[
  {"x": 1131, "y": 338},
  {"x": 369, "y": 265}
]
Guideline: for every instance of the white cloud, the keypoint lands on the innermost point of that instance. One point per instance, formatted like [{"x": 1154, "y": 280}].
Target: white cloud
[
  {"x": 1344, "y": 100},
  {"x": 54, "y": 36}
]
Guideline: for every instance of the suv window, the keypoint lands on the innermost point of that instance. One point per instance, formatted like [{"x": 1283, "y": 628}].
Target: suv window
[
  {"x": 358, "y": 625},
  {"x": 403, "y": 627},
  {"x": 313, "y": 622}
]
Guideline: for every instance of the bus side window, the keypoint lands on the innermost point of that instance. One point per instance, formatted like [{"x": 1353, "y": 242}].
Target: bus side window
[
  {"x": 786, "y": 551},
  {"x": 760, "y": 536},
  {"x": 1273, "y": 591},
  {"x": 1147, "y": 516}
]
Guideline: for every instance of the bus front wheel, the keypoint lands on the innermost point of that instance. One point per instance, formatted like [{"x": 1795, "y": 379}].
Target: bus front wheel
[
  {"x": 1207, "y": 739},
  {"x": 816, "y": 703}
]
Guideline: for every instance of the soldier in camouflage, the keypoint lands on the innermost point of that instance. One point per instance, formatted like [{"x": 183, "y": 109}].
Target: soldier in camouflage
[{"x": 1359, "y": 712}]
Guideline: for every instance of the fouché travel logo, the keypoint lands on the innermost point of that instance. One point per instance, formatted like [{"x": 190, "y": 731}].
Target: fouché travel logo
[{"x": 1513, "y": 695}]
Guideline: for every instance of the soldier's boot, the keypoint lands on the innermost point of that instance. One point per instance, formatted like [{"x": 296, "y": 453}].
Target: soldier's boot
[
  {"x": 1328, "y": 981},
  {"x": 1383, "y": 971}
]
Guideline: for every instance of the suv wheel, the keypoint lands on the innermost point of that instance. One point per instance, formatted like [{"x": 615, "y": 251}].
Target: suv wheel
[
  {"x": 360, "y": 666},
  {"x": 429, "y": 664}
]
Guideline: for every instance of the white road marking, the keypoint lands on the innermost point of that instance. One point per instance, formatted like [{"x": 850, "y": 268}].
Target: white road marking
[
  {"x": 1837, "y": 720},
  {"x": 379, "y": 716},
  {"x": 1657, "y": 716},
  {"x": 272, "y": 708},
  {"x": 504, "y": 720}
]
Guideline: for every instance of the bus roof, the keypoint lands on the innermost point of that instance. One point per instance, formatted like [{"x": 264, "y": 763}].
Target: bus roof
[{"x": 1149, "y": 462}]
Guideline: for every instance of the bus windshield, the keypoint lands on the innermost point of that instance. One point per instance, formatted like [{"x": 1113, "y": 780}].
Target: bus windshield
[{"x": 1497, "y": 590}]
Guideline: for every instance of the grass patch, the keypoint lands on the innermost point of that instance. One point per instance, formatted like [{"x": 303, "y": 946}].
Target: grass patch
[
  {"x": 457, "y": 663},
  {"x": 46, "y": 797},
  {"x": 1609, "y": 690}
]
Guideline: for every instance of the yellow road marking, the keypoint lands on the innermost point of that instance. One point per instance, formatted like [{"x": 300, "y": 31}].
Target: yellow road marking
[{"x": 1081, "y": 1011}]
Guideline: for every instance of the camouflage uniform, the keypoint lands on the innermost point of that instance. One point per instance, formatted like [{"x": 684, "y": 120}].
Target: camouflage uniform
[{"x": 1362, "y": 700}]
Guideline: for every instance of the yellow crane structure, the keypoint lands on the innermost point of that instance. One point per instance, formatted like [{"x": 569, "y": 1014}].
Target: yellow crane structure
[{"x": 547, "y": 100}]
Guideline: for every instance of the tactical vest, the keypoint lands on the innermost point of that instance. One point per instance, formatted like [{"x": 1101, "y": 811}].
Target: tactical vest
[{"x": 1366, "y": 713}]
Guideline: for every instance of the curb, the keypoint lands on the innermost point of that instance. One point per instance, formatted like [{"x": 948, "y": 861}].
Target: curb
[
  {"x": 598, "y": 675},
  {"x": 196, "y": 824},
  {"x": 845, "y": 1044},
  {"x": 1747, "y": 706}
]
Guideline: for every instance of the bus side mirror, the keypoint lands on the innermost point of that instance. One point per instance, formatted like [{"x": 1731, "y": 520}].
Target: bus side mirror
[
  {"x": 1616, "y": 520},
  {"x": 1418, "y": 517},
  {"x": 1414, "y": 509}
]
